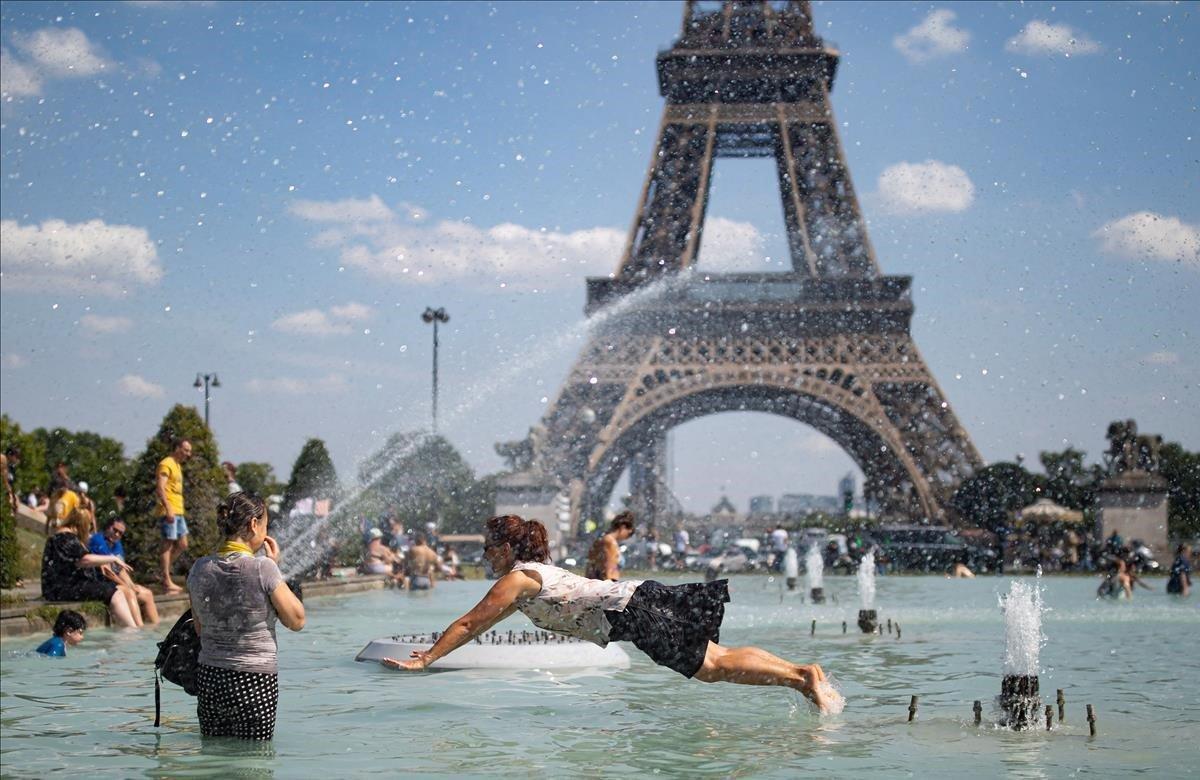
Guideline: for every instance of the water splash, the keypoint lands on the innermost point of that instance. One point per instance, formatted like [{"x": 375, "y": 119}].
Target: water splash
[
  {"x": 1023, "y": 637},
  {"x": 791, "y": 564},
  {"x": 866, "y": 581},
  {"x": 814, "y": 568},
  {"x": 305, "y": 546}
]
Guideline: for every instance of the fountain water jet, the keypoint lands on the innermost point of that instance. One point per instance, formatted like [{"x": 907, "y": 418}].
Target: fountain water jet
[
  {"x": 304, "y": 546},
  {"x": 1023, "y": 639},
  {"x": 814, "y": 574},
  {"x": 791, "y": 567},
  {"x": 868, "y": 619}
]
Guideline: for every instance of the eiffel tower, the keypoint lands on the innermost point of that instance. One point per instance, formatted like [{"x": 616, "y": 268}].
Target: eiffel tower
[{"x": 826, "y": 343}]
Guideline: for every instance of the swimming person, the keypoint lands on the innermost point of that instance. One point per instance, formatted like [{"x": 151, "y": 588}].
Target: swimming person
[
  {"x": 236, "y": 598},
  {"x": 604, "y": 558},
  {"x": 68, "y": 630},
  {"x": 676, "y": 625}
]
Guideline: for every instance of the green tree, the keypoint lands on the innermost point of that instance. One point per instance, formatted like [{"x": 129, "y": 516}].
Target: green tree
[
  {"x": 203, "y": 489},
  {"x": 258, "y": 478},
  {"x": 1181, "y": 469},
  {"x": 1069, "y": 482},
  {"x": 90, "y": 457},
  {"x": 989, "y": 496},
  {"x": 32, "y": 473},
  {"x": 424, "y": 478},
  {"x": 313, "y": 476},
  {"x": 10, "y": 551}
]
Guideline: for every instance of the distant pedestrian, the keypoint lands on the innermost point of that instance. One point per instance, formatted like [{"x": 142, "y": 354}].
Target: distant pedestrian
[
  {"x": 1180, "y": 583},
  {"x": 68, "y": 630},
  {"x": 172, "y": 522},
  {"x": 779, "y": 546},
  {"x": 9, "y": 462},
  {"x": 231, "y": 483},
  {"x": 603, "y": 561}
]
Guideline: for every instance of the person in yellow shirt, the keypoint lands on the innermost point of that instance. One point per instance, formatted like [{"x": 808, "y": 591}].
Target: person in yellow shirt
[{"x": 169, "y": 491}]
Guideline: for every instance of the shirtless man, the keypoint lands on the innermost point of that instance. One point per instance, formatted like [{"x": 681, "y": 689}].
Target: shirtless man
[
  {"x": 422, "y": 564},
  {"x": 605, "y": 553}
]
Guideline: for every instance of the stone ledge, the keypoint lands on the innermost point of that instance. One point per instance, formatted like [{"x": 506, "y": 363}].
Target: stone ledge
[{"x": 35, "y": 616}]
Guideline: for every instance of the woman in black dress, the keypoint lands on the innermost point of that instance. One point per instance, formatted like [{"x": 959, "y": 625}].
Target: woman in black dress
[{"x": 71, "y": 573}]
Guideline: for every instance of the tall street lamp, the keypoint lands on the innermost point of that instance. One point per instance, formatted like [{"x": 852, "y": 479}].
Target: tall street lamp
[
  {"x": 203, "y": 381},
  {"x": 435, "y": 316}
]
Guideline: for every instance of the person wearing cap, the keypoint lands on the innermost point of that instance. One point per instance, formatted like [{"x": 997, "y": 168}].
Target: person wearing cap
[{"x": 378, "y": 559}]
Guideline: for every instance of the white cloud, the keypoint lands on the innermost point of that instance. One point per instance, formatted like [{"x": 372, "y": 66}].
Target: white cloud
[
  {"x": 64, "y": 53},
  {"x": 330, "y": 384},
  {"x": 79, "y": 257},
  {"x": 354, "y": 312},
  {"x": 350, "y": 210},
  {"x": 139, "y": 387},
  {"x": 1145, "y": 235},
  {"x": 314, "y": 322},
  {"x": 16, "y": 78},
  {"x": 398, "y": 245},
  {"x": 1039, "y": 37},
  {"x": 13, "y": 360},
  {"x": 1161, "y": 358},
  {"x": 936, "y": 36},
  {"x": 98, "y": 324},
  {"x": 921, "y": 188},
  {"x": 730, "y": 246}
]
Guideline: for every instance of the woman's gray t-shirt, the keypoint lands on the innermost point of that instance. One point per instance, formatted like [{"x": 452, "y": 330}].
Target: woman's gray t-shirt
[{"x": 231, "y": 596}]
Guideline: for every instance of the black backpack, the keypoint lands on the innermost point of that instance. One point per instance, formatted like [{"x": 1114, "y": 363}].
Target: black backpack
[{"x": 178, "y": 660}]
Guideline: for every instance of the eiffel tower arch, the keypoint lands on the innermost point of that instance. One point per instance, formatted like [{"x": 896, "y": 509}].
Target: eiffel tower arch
[{"x": 826, "y": 343}]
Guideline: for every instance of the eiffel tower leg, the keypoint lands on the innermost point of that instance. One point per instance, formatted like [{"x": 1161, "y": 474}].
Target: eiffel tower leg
[{"x": 647, "y": 480}]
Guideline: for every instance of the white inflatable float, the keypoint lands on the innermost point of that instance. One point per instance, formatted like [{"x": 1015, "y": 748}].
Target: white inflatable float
[{"x": 504, "y": 650}]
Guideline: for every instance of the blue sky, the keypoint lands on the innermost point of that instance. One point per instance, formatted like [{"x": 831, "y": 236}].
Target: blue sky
[{"x": 275, "y": 192}]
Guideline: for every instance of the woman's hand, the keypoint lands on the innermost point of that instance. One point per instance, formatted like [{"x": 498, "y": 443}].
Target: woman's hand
[
  {"x": 418, "y": 662},
  {"x": 271, "y": 548},
  {"x": 119, "y": 565}
]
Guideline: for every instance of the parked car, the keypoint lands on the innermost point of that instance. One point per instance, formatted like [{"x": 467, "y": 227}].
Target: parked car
[{"x": 929, "y": 548}]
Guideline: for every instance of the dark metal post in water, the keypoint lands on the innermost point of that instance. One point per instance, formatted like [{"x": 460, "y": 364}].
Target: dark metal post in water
[
  {"x": 1062, "y": 706},
  {"x": 868, "y": 620},
  {"x": 912, "y": 709},
  {"x": 791, "y": 583},
  {"x": 1049, "y": 717},
  {"x": 978, "y": 712},
  {"x": 889, "y": 625},
  {"x": 817, "y": 595},
  {"x": 1020, "y": 700},
  {"x": 813, "y": 631},
  {"x": 1091, "y": 718},
  {"x": 843, "y": 626},
  {"x": 897, "y": 630}
]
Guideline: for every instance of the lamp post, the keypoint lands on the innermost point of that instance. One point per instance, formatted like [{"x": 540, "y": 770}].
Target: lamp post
[
  {"x": 203, "y": 381},
  {"x": 435, "y": 316}
]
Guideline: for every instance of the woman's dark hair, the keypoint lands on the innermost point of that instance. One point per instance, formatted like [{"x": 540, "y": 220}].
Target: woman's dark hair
[
  {"x": 527, "y": 537},
  {"x": 235, "y": 513},
  {"x": 623, "y": 520},
  {"x": 69, "y": 620}
]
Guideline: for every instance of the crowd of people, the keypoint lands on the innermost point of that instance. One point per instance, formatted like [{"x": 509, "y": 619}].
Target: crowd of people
[{"x": 411, "y": 561}]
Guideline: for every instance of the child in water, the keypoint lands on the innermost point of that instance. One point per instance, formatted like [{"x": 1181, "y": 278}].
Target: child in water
[{"x": 68, "y": 630}]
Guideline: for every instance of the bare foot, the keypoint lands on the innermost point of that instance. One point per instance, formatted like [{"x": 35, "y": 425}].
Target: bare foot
[{"x": 171, "y": 588}]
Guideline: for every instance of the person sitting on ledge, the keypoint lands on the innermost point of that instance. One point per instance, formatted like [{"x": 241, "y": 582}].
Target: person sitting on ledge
[
  {"x": 68, "y": 630},
  {"x": 676, "y": 625},
  {"x": 69, "y": 571},
  {"x": 108, "y": 542}
]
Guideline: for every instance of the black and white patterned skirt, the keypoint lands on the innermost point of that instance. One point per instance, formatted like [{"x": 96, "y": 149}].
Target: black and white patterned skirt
[{"x": 236, "y": 704}]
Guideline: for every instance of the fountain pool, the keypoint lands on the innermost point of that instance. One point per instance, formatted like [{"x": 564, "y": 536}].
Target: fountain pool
[{"x": 1135, "y": 661}]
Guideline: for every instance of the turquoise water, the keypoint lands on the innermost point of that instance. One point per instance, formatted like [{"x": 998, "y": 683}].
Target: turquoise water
[{"x": 1137, "y": 662}]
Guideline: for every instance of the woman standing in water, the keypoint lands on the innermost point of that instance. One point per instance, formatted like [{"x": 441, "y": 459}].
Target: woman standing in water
[
  {"x": 236, "y": 598},
  {"x": 676, "y": 625}
]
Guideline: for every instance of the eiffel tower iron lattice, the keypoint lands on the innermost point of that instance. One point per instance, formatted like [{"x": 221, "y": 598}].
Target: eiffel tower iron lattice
[{"x": 826, "y": 343}]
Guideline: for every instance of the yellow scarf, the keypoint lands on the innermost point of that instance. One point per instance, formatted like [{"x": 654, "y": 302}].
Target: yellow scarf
[{"x": 234, "y": 546}]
